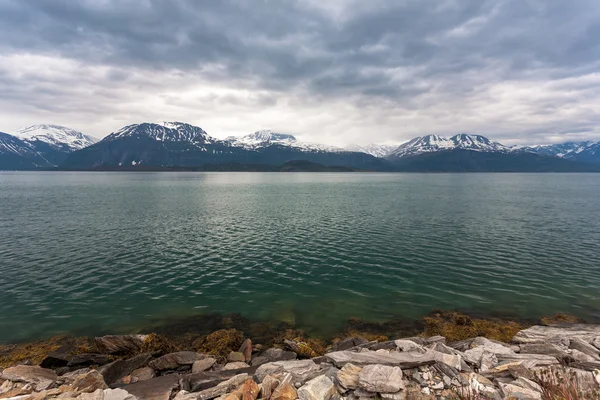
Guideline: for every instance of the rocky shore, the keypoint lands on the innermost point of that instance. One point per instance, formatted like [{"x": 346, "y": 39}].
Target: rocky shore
[{"x": 540, "y": 362}]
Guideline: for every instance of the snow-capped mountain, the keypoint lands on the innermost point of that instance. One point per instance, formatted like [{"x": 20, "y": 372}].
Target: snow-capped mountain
[
  {"x": 165, "y": 132},
  {"x": 19, "y": 154},
  {"x": 586, "y": 151},
  {"x": 57, "y": 137},
  {"x": 267, "y": 138},
  {"x": 377, "y": 150},
  {"x": 434, "y": 143}
]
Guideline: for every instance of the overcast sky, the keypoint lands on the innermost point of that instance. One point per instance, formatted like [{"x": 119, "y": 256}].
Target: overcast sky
[{"x": 331, "y": 71}]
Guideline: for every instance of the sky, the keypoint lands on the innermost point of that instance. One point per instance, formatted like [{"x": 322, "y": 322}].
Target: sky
[{"x": 335, "y": 71}]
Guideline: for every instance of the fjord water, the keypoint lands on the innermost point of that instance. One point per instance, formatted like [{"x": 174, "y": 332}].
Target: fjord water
[{"x": 92, "y": 253}]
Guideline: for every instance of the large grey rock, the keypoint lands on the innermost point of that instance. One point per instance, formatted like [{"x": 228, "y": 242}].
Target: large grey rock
[
  {"x": 107, "y": 394},
  {"x": 581, "y": 357},
  {"x": 402, "y": 360},
  {"x": 273, "y": 355},
  {"x": 409, "y": 346},
  {"x": 39, "y": 378},
  {"x": 301, "y": 371},
  {"x": 453, "y": 360},
  {"x": 175, "y": 360},
  {"x": 481, "y": 357},
  {"x": 585, "y": 347},
  {"x": 543, "y": 348},
  {"x": 522, "y": 388},
  {"x": 235, "y": 365},
  {"x": 203, "y": 365},
  {"x": 540, "y": 360},
  {"x": 493, "y": 347},
  {"x": 118, "y": 369},
  {"x": 381, "y": 379},
  {"x": 347, "y": 377},
  {"x": 89, "y": 382},
  {"x": 156, "y": 388},
  {"x": 587, "y": 366},
  {"x": 120, "y": 344},
  {"x": 319, "y": 388},
  {"x": 545, "y": 334}
]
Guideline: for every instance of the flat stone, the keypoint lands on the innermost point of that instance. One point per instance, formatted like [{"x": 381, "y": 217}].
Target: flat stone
[
  {"x": 88, "y": 359},
  {"x": 156, "y": 388},
  {"x": 545, "y": 334},
  {"x": 58, "y": 358},
  {"x": 402, "y": 360},
  {"x": 118, "y": 369},
  {"x": 203, "y": 365},
  {"x": 269, "y": 384},
  {"x": 346, "y": 344},
  {"x": 120, "y": 344},
  {"x": 246, "y": 350},
  {"x": 381, "y": 379},
  {"x": 541, "y": 360},
  {"x": 300, "y": 371},
  {"x": 319, "y": 388},
  {"x": 542, "y": 348},
  {"x": 401, "y": 395},
  {"x": 142, "y": 374},
  {"x": 222, "y": 388},
  {"x": 585, "y": 347},
  {"x": 205, "y": 380},
  {"x": 175, "y": 360},
  {"x": 285, "y": 391},
  {"x": 493, "y": 347},
  {"x": 107, "y": 394},
  {"x": 40, "y": 378},
  {"x": 235, "y": 365},
  {"x": 581, "y": 357},
  {"x": 273, "y": 355},
  {"x": 450, "y": 359},
  {"x": 483, "y": 358},
  {"x": 89, "y": 382},
  {"x": 587, "y": 366},
  {"x": 409, "y": 346},
  {"x": 347, "y": 377},
  {"x": 236, "y": 356}
]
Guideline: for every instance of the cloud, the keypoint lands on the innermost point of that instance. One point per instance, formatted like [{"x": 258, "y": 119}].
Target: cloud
[{"x": 342, "y": 71}]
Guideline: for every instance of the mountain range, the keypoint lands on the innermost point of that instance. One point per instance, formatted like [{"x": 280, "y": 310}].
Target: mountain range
[{"x": 178, "y": 145}]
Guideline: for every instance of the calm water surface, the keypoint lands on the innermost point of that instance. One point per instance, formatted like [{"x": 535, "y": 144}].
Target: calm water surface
[{"x": 97, "y": 252}]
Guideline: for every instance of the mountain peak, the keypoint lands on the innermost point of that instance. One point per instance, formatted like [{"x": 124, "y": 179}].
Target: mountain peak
[
  {"x": 433, "y": 143},
  {"x": 167, "y": 131},
  {"x": 56, "y": 136}
]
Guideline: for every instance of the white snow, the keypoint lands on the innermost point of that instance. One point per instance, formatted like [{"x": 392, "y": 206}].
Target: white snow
[
  {"x": 266, "y": 138},
  {"x": 56, "y": 136},
  {"x": 376, "y": 150},
  {"x": 165, "y": 132},
  {"x": 433, "y": 143}
]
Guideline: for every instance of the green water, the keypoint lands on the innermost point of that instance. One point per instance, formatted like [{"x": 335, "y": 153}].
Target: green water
[{"x": 110, "y": 252}]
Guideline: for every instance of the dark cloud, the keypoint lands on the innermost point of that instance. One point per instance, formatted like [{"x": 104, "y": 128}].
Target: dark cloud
[{"x": 499, "y": 67}]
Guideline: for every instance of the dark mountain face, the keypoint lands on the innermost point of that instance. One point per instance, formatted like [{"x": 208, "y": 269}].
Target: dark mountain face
[
  {"x": 460, "y": 160},
  {"x": 16, "y": 154},
  {"x": 184, "y": 145}
]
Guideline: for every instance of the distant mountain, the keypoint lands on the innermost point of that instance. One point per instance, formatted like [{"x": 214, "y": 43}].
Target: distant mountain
[
  {"x": 16, "y": 154},
  {"x": 435, "y": 143},
  {"x": 54, "y": 143},
  {"x": 463, "y": 160},
  {"x": 176, "y": 144},
  {"x": 586, "y": 151},
  {"x": 377, "y": 150}
]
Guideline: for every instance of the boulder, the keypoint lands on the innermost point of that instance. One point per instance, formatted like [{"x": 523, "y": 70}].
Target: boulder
[
  {"x": 579, "y": 356},
  {"x": 481, "y": 357},
  {"x": 585, "y": 347},
  {"x": 300, "y": 371},
  {"x": 203, "y": 365},
  {"x": 587, "y": 366},
  {"x": 142, "y": 374},
  {"x": 285, "y": 391},
  {"x": 120, "y": 344},
  {"x": 450, "y": 359},
  {"x": 88, "y": 383},
  {"x": 205, "y": 380},
  {"x": 346, "y": 344},
  {"x": 545, "y": 334},
  {"x": 249, "y": 390},
  {"x": 409, "y": 346},
  {"x": 319, "y": 388},
  {"x": 235, "y": 365},
  {"x": 156, "y": 388},
  {"x": 493, "y": 347},
  {"x": 87, "y": 360},
  {"x": 402, "y": 360},
  {"x": 221, "y": 389},
  {"x": 246, "y": 350},
  {"x": 107, "y": 394},
  {"x": 522, "y": 388},
  {"x": 347, "y": 377},
  {"x": 236, "y": 356},
  {"x": 539, "y": 360},
  {"x": 273, "y": 355},
  {"x": 175, "y": 360},
  {"x": 40, "y": 378},
  {"x": 118, "y": 369},
  {"x": 381, "y": 379},
  {"x": 269, "y": 384},
  {"x": 542, "y": 348}
]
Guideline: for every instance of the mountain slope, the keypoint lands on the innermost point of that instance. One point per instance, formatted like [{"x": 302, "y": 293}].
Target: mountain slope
[
  {"x": 267, "y": 138},
  {"x": 435, "y": 143},
  {"x": 586, "y": 151},
  {"x": 376, "y": 150},
  {"x": 16, "y": 154},
  {"x": 462, "y": 160}
]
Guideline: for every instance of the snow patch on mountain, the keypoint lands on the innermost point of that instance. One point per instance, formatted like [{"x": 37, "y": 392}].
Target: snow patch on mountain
[
  {"x": 433, "y": 143},
  {"x": 165, "y": 132},
  {"x": 56, "y": 136},
  {"x": 376, "y": 150},
  {"x": 266, "y": 138}
]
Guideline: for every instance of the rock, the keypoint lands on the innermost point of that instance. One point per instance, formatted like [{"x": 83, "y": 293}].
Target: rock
[
  {"x": 156, "y": 388},
  {"x": 493, "y": 347},
  {"x": 522, "y": 388},
  {"x": 542, "y": 348},
  {"x": 235, "y": 365},
  {"x": 175, "y": 360},
  {"x": 88, "y": 359},
  {"x": 142, "y": 374},
  {"x": 401, "y": 395},
  {"x": 107, "y": 394},
  {"x": 249, "y": 390},
  {"x": 236, "y": 356},
  {"x": 319, "y": 388},
  {"x": 205, "y": 380},
  {"x": 222, "y": 388},
  {"x": 347, "y": 377},
  {"x": 545, "y": 334},
  {"x": 246, "y": 350},
  {"x": 587, "y": 366},
  {"x": 450, "y": 359},
  {"x": 409, "y": 346},
  {"x": 285, "y": 391},
  {"x": 273, "y": 355},
  {"x": 120, "y": 344},
  {"x": 581, "y": 357},
  {"x": 118, "y": 369},
  {"x": 89, "y": 382},
  {"x": 584, "y": 347},
  {"x": 402, "y": 360},
  {"x": 481, "y": 357},
  {"x": 203, "y": 365},
  {"x": 596, "y": 342},
  {"x": 58, "y": 358},
  {"x": 540, "y": 360},
  {"x": 269, "y": 384},
  {"x": 346, "y": 344},
  {"x": 301, "y": 371},
  {"x": 519, "y": 371},
  {"x": 40, "y": 378},
  {"x": 381, "y": 379}
]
